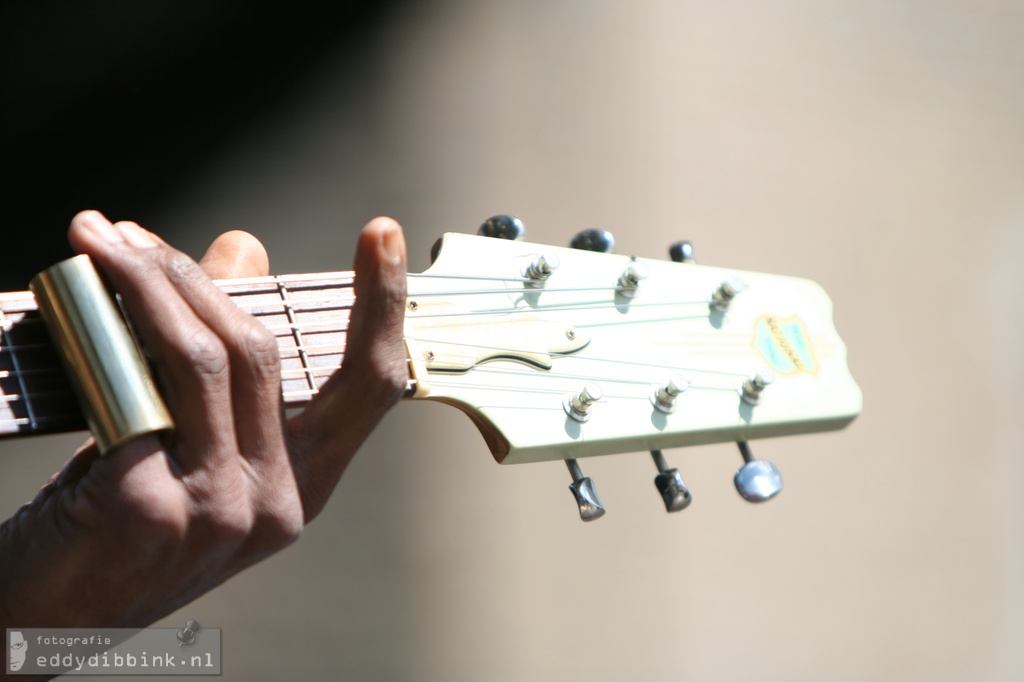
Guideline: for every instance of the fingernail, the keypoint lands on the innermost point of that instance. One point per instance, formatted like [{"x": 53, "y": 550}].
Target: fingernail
[
  {"x": 97, "y": 223},
  {"x": 135, "y": 235},
  {"x": 392, "y": 245}
]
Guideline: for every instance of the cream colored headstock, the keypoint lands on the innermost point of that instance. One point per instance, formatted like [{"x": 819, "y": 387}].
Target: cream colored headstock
[{"x": 518, "y": 354}]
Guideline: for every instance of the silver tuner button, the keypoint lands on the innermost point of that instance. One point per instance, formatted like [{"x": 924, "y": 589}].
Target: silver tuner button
[
  {"x": 682, "y": 252},
  {"x": 664, "y": 397},
  {"x": 503, "y": 227},
  {"x": 757, "y": 480},
  {"x": 583, "y": 490},
  {"x": 754, "y": 386},
  {"x": 579, "y": 405},
  {"x": 541, "y": 268},
  {"x": 726, "y": 291},
  {"x": 670, "y": 484},
  {"x": 629, "y": 280},
  {"x": 601, "y": 241}
]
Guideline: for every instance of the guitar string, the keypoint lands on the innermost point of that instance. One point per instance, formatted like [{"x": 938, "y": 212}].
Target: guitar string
[
  {"x": 328, "y": 350},
  {"x": 313, "y": 373},
  {"x": 268, "y": 309},
  {"x": 305, "y": 394},
  {"x": 299, "y": 304}
]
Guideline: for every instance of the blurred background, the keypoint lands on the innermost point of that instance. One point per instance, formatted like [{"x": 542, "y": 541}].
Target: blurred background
[{"x": 876, "y": 147}]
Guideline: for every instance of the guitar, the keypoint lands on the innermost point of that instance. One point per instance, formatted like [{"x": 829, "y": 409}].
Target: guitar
[{"x": 553, "y": 353}]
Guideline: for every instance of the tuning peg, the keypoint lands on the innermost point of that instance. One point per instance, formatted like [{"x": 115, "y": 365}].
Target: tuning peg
[
  {"x": 579, "y": 405},
  {"x": 629, "y": 280},
  {"x": 664, "y": 397},
  {"x": 503, "y": 227},
  {"x": 670, "y": 484},
  {"x": 682, "y": 252},
  {"x": 583, "y": 490},
  {"x": 541, "y": 268},
  {"x": 757, "y": 480},
  {"x": 727, "y": 290},
  {"x": 754, "y": 386},
  {"x": 601, "y": 241}
]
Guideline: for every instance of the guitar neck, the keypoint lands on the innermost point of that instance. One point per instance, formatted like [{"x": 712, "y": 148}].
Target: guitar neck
[
  {"x": 531, "y": 342},
  {"x": 308, "y": 315}
]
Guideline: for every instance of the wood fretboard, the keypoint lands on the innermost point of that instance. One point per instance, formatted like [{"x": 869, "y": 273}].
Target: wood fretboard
[{"x": 308, "y": 315}]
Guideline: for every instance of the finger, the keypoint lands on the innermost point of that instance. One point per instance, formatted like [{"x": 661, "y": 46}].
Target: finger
[
  {"x": 374, "y": 372},
  {"x": 256, "y": 425},
  {"x": 191, "y": 360},
  {"x": 235, "y": 254}
]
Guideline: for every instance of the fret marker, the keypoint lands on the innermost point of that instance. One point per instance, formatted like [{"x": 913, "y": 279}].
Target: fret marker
[{"x": 578, "y": 406}]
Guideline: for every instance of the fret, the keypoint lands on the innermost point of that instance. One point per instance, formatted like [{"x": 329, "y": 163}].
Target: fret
[
  {"x": 8, "y": 345},
  {"x": 35, "y": 395},
  {"x": 308, "y": 315},
  {"x": 296, "y": 332}
]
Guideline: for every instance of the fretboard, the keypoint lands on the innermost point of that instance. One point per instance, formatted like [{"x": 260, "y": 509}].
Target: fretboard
[{"x": 308, "y": 315}]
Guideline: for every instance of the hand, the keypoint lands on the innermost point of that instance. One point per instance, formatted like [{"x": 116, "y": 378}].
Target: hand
[{"x": 124, "y": 539}]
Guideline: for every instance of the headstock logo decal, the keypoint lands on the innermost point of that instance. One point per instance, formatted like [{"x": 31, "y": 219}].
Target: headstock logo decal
[{"x": 785, "y": 344}]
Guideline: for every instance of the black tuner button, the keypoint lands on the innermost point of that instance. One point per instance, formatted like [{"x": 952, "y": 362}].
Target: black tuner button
[
  {"x": 757, "y": 480},
  {"x": 601, "y": 241},
  {"x": 682, "y": 252},
  {"x": 435, "y": 250},
  {"x": 503, "y": 227},
  {"x": 583, "y": 490},
  {"x": 670, "y": 484}
]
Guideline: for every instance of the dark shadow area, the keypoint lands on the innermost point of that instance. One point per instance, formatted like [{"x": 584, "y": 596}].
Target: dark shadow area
[{"x": 113, "y": 105}]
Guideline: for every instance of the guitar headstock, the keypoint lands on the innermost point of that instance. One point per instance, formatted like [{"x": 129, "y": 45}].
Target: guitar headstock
[{"x": 560, "y": 353}]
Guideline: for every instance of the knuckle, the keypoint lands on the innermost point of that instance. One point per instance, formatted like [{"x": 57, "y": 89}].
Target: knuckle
[
  {"x": 257, "y": 347},
  {"x": 205, "y": 354},
  {"x": 225, "y": 525},
  {"x": 278, "y": 529},
  {"x": 387, "y": 377},
  {"x": 147, "y": 519},
  {"x": 161, "y": 521},
  {"x": 179, "y": 268}
]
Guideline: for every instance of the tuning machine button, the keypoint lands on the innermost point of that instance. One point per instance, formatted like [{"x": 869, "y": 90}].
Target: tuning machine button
[
  {"x": 601, "y": 241},
  {"x": 629, "y": 280},
  {"x": 503, "y": 227},
  {"x": 754, "y": 386},
  {"x": 583, "y": 490},
  {"x": 664, "y": 397},
  {"x": 726, "y": 291},
  {"x": 541, "y": 268},
  {"x": 670, "y": 484},
  {"x": 579, "y": 405},
  {"x": 682, "y": 252},
  {"x": 757, "y": 480}
]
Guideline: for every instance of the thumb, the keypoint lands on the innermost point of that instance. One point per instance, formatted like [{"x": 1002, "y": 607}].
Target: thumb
[
  {"x": 374, "y": 371},
  {"x": 235, "y": 254}
]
